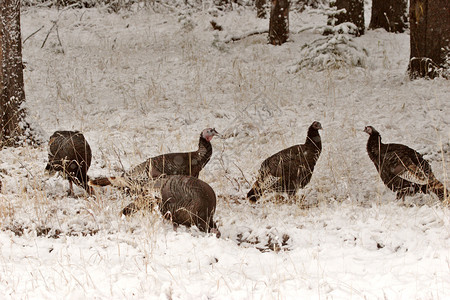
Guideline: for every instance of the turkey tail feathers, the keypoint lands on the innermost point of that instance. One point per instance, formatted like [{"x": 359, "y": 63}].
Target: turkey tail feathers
[
  {"x": 101, "y": 181},
  {"x": 253, "y": 195},
  {"x": 438, "y": 188},
  {"x": 130, "y": 209}
]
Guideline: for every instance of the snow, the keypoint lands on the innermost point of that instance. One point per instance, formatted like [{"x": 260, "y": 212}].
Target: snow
[{"x": 141, "y": 83}]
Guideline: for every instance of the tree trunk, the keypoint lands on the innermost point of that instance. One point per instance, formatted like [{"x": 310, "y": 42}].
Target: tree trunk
[
  {"x": 430, "y": 37},
  {"x": 260, "y": 8},
  {"x": 355, "y": 14},
  {"x": 389, "y": 14},
  {"x": 11, "y": 74},
  {"x": 279, "y": 22}
]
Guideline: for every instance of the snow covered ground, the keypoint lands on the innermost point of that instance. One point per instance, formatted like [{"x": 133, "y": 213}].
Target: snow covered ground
[{"x": 144, "y": 83}]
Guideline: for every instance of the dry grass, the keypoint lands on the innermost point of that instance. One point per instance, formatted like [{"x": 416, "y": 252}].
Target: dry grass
[{"x": 135, "y": 92}]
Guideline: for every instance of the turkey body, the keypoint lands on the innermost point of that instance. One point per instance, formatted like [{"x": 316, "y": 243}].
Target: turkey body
[
  {"x": 70, "y": 154},
  {"x": 402, "y": 169},
  {"x": 184, "y": 163},
  {"x": 186, "y": 200},
  {"x": 289, "y": 169}
]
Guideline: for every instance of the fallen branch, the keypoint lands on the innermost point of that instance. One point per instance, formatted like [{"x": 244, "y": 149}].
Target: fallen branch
[
  {"x": 55, "y": 24},
  {"x": 48, "y": 33},
  {"x": 246, "y": 35},
  {"x": 45, "y": 4},
  {"x": 59, "y": 40},
  {"x": 32, "y": 34},
  {"x": 242, "y": 173},
  {"x": 303, "y": 29}
]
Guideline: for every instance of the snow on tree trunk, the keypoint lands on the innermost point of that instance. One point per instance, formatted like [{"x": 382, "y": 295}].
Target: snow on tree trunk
[
  {"x": 260, "y": 8},
  {"x": 429, "y": 38},
  {"x": 11, "y": 74},
  {"x": 279, "y": 22},
  {"x": 355, "y": 14},
  {"x": 389, "y": 14}
]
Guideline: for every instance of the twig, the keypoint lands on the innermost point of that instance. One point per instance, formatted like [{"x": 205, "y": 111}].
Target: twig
[
  {"x": 59, "y": 40},
  {"x": 48, "y": 33},
  {"x": 222, "y": 164},
  {"x": 81, "y": 17},
  {"x": 388, "y": 22},
  {"x": 118, "y": 157},
  {"x": 242, "y": 173},
  {"x": 32, "y": 34},
  {"x": 25, "y": 167}
]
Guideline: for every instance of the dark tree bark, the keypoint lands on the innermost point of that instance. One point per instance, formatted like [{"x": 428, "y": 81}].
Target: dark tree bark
[
  {"x": 430, "y": 36},
  {"x": 279, "y": 22},
  {"x": 355, "y": 14},
  {"x": 389, "y": 14},
  {"x": 12, "y": 93},
  {"x": 260, "y": 8}
]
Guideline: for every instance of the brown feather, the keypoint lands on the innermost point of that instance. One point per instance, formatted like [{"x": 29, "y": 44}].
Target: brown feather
[
  {"x": 186, "y": 199},
  {"x": 289, "y": 169},
  {"x": 70, "y": 154},
  {"x": 402, "y": 169},
  {"x": 183, "y": 163}
]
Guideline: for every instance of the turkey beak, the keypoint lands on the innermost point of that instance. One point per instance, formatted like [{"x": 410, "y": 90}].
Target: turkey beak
[{"x": 217, "y": 134}]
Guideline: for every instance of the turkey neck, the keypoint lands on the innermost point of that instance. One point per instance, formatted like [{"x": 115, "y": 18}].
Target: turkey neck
[
  {"x": 204, "y": 151},
  {"x": 313, "y": 139},
  {"x": 374, "y": 145}
]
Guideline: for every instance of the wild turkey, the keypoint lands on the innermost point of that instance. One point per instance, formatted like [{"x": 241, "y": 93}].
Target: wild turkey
[
  {"x": 70, "y": 154},
  {"x": 289, "y": 169},
  {"x": 186, "y": 200},
  {"x": 401, "y": 168},
  {"x": 186, "y": 163}
]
